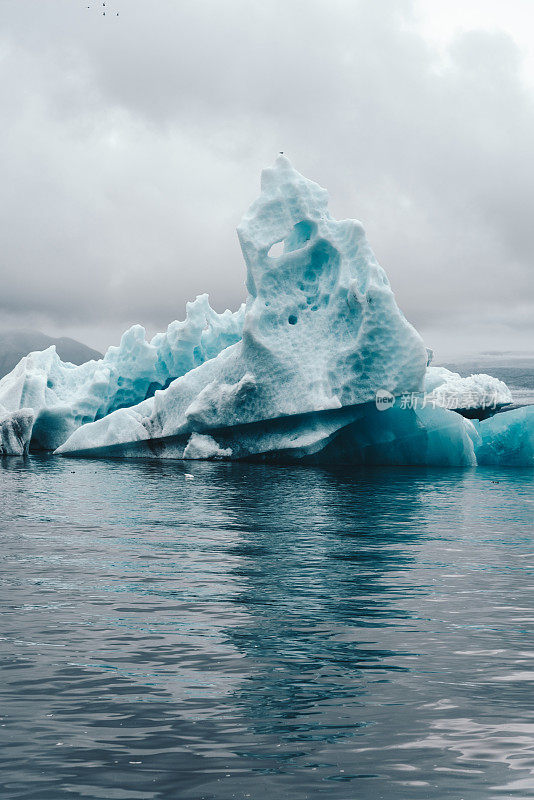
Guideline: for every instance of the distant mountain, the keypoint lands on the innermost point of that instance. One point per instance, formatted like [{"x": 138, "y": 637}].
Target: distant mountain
[{"x": 16, "y": 344}]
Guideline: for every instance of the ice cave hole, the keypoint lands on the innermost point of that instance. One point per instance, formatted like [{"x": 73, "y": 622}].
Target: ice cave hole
[
  {"x": 276, "y": 250},
  {"x": 297, "y": 238}
]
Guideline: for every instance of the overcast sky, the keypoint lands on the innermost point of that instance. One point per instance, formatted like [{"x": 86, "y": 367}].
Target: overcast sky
[{"x": 132, "y": 144}]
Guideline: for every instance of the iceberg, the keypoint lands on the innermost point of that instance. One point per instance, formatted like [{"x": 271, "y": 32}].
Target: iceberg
[
  {"x": 506, "y": 439},
  {"x": 475, "y": 396},
  {"x": 15, "y": 431},
  {"x": 315, "y": 367},
  {"x": 64, "y": 396},
  {"x": 321, "y": 331}
]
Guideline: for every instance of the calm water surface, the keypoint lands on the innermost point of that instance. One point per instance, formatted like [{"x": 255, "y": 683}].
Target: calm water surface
[{"x": 261, "y": 632}]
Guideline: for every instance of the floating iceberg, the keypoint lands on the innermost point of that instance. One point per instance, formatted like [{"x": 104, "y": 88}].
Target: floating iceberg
[
  {"x": 15, "y": 431},
  {"x": 507, "y": 439},
  {"x": 295, "y": 375},
  {"x": 471, "y": 395},
  {"x": 321, "y": 331},
  {"x": 64, "y": 396}
]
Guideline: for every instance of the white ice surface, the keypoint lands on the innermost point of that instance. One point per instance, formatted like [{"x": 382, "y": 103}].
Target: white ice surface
[
  {"x": 449, "y": 390},
  {"x": 201, "y": 446}
]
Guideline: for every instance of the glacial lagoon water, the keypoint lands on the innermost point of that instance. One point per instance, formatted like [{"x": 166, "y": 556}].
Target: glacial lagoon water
[{"x": 265, "y": 632}]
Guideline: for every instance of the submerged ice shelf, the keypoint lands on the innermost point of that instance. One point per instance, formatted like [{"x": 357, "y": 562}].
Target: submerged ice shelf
[{"x": 292, "y": 375}]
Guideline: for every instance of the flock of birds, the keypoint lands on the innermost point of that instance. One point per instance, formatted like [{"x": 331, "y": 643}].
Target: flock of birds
[{"x": 104, "y": 11}]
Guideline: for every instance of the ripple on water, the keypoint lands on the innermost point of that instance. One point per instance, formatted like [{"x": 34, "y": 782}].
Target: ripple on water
[{"x": 265, "y": 632}]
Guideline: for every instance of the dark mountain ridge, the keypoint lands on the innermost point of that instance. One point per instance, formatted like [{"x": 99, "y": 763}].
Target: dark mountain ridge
[{"x": 15, "y": 344}]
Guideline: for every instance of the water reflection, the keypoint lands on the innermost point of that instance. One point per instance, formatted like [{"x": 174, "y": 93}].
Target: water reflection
[
  {"x": 316, "y": 553},
  {"x": 264, "y": 632}
]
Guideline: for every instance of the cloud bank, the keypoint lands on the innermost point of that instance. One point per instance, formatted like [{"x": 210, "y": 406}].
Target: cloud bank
[{"x": 132, "y": 144}]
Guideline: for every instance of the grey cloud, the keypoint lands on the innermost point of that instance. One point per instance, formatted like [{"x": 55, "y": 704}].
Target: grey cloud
[{"x": 133, "y": 144}]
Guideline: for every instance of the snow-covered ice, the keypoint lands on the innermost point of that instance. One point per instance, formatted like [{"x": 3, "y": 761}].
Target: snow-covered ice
[{"x": 449, "y": 390}]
